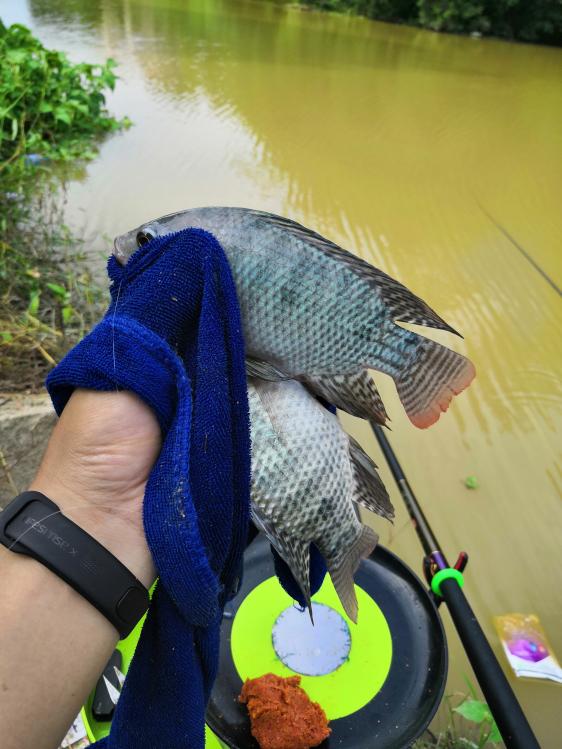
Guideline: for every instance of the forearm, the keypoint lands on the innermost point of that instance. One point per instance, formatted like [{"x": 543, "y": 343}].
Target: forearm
[{"x": 54, "y": 644}]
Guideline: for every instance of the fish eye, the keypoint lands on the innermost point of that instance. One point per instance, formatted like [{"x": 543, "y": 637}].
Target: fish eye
[{"x": 143, "y": 237}]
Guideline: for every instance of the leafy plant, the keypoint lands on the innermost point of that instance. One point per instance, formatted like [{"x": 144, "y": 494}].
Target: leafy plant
[
  {"x": 453, "y": 15},
  {"x": 538, "y": 21},
  {"x": 480, "y": 730},
  {"x": 48, "y": 105},
  {"x": 478, "y": 712},
  {"x": 50, "y": 109}
]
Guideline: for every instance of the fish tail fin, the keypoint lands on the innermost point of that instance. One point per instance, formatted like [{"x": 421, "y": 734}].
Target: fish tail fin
[
  {"x": 427, "y": 384},
  {"x": 354, "y": 392},
  {"x": 343, "y": 565},
  {"x": 370, "y": 492}
]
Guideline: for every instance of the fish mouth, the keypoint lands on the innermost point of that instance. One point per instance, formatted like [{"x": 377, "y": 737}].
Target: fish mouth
[{"x": 118, "y": 253}]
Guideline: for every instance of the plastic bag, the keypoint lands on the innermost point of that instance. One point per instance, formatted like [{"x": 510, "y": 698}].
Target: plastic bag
[{"x": 526, "y": 647}]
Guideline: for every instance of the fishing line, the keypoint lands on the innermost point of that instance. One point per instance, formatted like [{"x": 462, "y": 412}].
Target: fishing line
[
  {"x": 33, "y": 525},
  {"x": 525, "y": 254},
  {"x": 113, "y": 330},
  {"x": 52, "y": 514}
]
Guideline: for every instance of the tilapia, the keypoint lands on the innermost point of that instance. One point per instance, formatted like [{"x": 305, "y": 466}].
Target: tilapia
[
  {"x": 307, "y": 477},
  {"x": 313, "y": 312}
]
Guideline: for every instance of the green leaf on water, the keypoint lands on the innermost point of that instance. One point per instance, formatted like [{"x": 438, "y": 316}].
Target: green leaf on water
[{"x": 54, "y": 108}]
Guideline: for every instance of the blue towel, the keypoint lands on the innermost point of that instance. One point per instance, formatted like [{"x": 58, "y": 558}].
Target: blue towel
[{"x": 172, "y": 334}]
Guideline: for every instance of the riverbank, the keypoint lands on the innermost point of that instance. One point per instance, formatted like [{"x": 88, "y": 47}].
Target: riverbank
[
  {"x": 514, "y": 20},
  {"x": 26, "y": 422},
  {"x": 52, "y": 112}
]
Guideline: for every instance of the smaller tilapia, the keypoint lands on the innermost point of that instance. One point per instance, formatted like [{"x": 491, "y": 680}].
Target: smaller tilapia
[{"x": 307, "y": 473}]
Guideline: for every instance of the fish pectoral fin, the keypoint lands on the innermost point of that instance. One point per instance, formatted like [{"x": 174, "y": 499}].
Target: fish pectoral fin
[
  {"x": 264, "y": 525},
  {"x": 343, "y": 565},
  {"x": 370, "y": 492},
  {"x": 354, "y": 392},
  {"x": 264, "y": 370},
  {"x": 295, "y": 553}
]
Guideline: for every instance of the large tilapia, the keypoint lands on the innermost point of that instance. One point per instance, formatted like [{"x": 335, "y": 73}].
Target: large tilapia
[
  {"x": 307, "y": 473},
  {"x": 312, "y": 311}
]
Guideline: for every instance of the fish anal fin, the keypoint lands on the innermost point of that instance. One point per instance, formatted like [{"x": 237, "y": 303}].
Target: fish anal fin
[
  {"x": 343, "y": 566},
  {"x": 370, "y": 491},
  {"x": 294, "y": 552},
  {"x": 354, "y": 392}
]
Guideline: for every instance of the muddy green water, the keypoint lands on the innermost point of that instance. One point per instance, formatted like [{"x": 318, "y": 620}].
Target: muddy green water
[{"x": 403, "y": 146}]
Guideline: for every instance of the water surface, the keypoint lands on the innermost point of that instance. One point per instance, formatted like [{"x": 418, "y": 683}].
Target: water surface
[{"x": 431, "y": 156}]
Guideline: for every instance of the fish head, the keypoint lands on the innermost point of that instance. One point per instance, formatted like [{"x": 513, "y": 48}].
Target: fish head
[{"x": 126, "y": 244}]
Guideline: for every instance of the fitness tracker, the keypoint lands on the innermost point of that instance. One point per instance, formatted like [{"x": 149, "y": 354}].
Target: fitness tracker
[{"x": 33, "y": 525}]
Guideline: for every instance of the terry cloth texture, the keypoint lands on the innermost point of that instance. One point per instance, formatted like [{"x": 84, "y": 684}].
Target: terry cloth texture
[{"x": 172, "y": 334}]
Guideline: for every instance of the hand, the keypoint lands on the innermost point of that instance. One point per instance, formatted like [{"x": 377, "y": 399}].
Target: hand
[{"x": 95, "y": 468}]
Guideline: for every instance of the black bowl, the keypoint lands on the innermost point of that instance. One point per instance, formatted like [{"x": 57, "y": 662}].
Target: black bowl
[{"x": 405, "y": 704}]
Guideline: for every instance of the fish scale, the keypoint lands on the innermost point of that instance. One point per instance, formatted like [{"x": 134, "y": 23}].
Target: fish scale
[
  {"x": 314, "y": 312},
  {"x": 293, "y": 334}
]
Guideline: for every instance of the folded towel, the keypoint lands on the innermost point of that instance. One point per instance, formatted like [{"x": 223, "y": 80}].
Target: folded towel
[{"x": 172, "y": 334}]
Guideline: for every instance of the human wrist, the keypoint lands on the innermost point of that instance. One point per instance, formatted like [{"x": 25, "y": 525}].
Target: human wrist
[
  {"x": 119, "y": 534},
  {"x": 95, "y": 469}
]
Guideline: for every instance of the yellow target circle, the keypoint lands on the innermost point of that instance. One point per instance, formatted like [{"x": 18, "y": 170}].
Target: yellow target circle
[{"x": 343, "y": 691}]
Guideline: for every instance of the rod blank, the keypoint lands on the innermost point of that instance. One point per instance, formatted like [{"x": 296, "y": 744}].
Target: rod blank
[{"x": 512, "y": 723}]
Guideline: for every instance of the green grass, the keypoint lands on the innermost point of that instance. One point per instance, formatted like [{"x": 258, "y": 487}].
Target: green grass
[{"x": 48, "y": 300}]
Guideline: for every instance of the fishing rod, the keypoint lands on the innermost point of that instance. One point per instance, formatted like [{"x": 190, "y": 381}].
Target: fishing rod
[
  {"x": 522, "y": 250},
  {"x": 446, "y": 584}
]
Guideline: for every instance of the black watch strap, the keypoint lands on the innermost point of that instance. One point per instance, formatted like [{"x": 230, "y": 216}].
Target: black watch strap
[{"x": 33, "y": 525}]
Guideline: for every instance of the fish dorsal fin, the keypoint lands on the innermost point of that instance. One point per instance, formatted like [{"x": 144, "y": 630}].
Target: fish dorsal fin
[
  {"x": 404, "y": 306},
  {"x": 354, "y": 392},
  {"x": 370, "y": 491}
]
